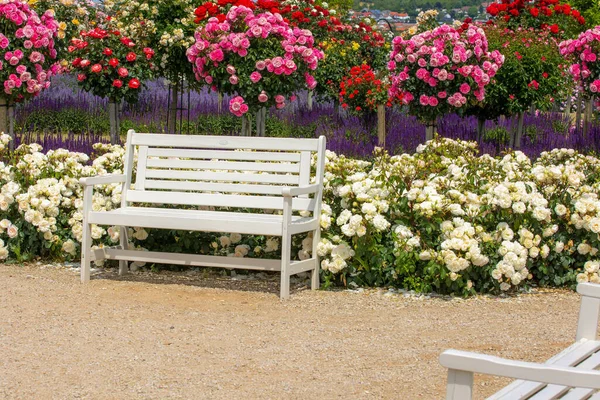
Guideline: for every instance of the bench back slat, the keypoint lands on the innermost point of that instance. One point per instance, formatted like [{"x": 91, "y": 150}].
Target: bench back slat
[
  {"x": 213, "y": 187},
  {"x": 218, "y": 200},
  {"x": 167, "y": 163},
  {"x": 220, "y": 176},
  {"x": 220, "y": 142},
  {"x": 224, "y": 154},
  {"x": 238, "y": 172}
]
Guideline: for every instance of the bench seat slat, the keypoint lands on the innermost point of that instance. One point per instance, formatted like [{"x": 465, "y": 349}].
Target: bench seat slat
[
  {"x": 222, "y": 176},
  {"x": 198, "y": 220},
  {"x": 578, "y": 394},
  {"x": 213, "y": 187},
  {"x": 225, "y": 154},
  {"x": 555, "y": 391},
  {"x": 220, "y": 142},
  {"x": 217, "y": 200},
  {"x": 571, "y": 356},
  {"x": 222, "y": 165}
]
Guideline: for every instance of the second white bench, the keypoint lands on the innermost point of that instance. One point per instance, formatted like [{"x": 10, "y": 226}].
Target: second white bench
[{"x": 568, "y": 375}]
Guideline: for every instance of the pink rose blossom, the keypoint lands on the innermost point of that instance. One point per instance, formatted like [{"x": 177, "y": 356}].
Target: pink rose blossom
[{"x": 255, "y": 76}]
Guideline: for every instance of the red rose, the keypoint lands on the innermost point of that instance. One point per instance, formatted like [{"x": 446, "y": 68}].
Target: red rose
[
  {"x": 107, "y": 52},
  {"x": 545, "y": 75},
  {"x": 76, "y": 62},
  {"x": 117, "y": 83},
  {"x": 85, "y": 63},
  {"x": 514, "y": 12},
  {"x": 134, "y": 83},
  {"x": 81, "y": 77},
  {"x": 96, "y": 68},
  {"x": 71, "y": 49},
  {"x": 123, "y": 72},
  {"x": 534, "y": 12},
  {"x": 148, "y": 52},
  {"x": 131, "y": 56},
  {"x": 113, "y": 62},
  {"x": 554, "y": 28}
]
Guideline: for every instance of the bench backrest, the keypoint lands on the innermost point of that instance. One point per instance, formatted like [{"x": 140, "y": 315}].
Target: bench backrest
[{"x": 237, "y": 172}]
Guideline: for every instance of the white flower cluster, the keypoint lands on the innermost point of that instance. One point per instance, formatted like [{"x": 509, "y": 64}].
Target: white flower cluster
[
  {"x": 405, "y": 240},
  {"x": 460, "y": 247},
  {"x": 590, "y": 272},
  {"x": 335, "y": 253}
]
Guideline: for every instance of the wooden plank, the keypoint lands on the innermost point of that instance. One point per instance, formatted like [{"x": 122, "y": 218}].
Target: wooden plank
[
  {"x": 301, "y": 266},
  {"x": 572, "y": 355},
  {"x": 555, "y": 391},
  {"x": 223, "y": 165},
  {"x": 140, "y": 173},
  {"x": 225, "y": 154},
  {"x": 214, "y": 187},
  {"x": 490, "y": 365},
  {"x": 191, "y": 259},
  {"x": 460, "y": 385},
  {"x": 217, "y": 200},
  {"x": 222, "y": 176},
  {"x": 127, "y": 167},
  {"x": 578, "y": 394},
  {"x": 194, "y": 220},
  {"x": 587, "y": 325},
  {"x": 224, "y": 142},
  {"x": 304, "y": 170},
  {"x": 589, "y": 290}
]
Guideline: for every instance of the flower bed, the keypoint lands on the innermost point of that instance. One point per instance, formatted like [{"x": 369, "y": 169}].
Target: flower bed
[{"x": 443, "y": 219}]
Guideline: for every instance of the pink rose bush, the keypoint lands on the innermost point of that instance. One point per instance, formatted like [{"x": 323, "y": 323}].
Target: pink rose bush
[
  {"x": 442, "y": 70},
  {"x": 260, "y": 58},
  {"x": 584, "y": 51},
  {"x": 26, "y": 50}
]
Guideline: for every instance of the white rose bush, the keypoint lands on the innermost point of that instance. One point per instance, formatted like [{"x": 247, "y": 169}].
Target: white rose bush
[{"x": 444, "y": 219}]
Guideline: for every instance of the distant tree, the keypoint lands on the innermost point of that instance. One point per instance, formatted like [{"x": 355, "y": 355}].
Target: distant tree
[{"x": 472, "y": 11}]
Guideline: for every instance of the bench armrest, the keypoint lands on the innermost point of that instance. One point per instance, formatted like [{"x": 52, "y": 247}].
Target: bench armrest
[
  {"x": 543, "y": 373},
  {"x": 589, "y": 290},
  {"x": 300, "y": 190},
  {"x": 102, "y": 179}
]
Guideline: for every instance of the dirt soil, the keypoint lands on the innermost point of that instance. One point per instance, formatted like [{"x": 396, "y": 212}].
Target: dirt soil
[{"x": 188, "y": 336}]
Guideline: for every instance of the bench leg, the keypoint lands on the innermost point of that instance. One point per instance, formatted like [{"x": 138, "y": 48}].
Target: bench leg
[
  {"x": 460, "y": 385},
  {"x": 286, "y": 250},
  {"x": 86, "y": 251},
  {"x": 315, "y": 277},
  {"x": 124, "y": 242}
]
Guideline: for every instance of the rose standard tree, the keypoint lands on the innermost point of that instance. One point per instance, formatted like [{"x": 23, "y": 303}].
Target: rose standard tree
[
  {"x": 112, "y": 66},
  {"x": 258, "y": 58},
  {"x": 585, "y": 68},
  {"x": 532, "y": 75},
  {"x": 27, "y": 56},
  {"x": 167, "y": 26},
  {"x": 442, "y": 71}
]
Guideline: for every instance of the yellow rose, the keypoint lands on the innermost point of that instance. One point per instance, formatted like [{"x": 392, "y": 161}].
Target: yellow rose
[
  {"x": 75, "y": 21},
  {"x": 355, "y": 46},
  {"x": 61, "y": 34},
  {"x": 32, "y": 2},
  {"x": 62, "y": 26}
]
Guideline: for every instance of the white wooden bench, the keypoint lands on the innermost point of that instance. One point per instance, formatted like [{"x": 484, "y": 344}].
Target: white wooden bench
[
  {"x": 568, "y": 375},
  {"x": 239, "y": 176}
]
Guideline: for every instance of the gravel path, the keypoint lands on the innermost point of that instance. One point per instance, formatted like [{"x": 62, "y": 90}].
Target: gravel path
[{"x": 164, "y": 336}]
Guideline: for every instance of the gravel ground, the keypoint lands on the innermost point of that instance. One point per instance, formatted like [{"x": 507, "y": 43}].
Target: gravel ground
[{"x": 189, "y": 336}]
